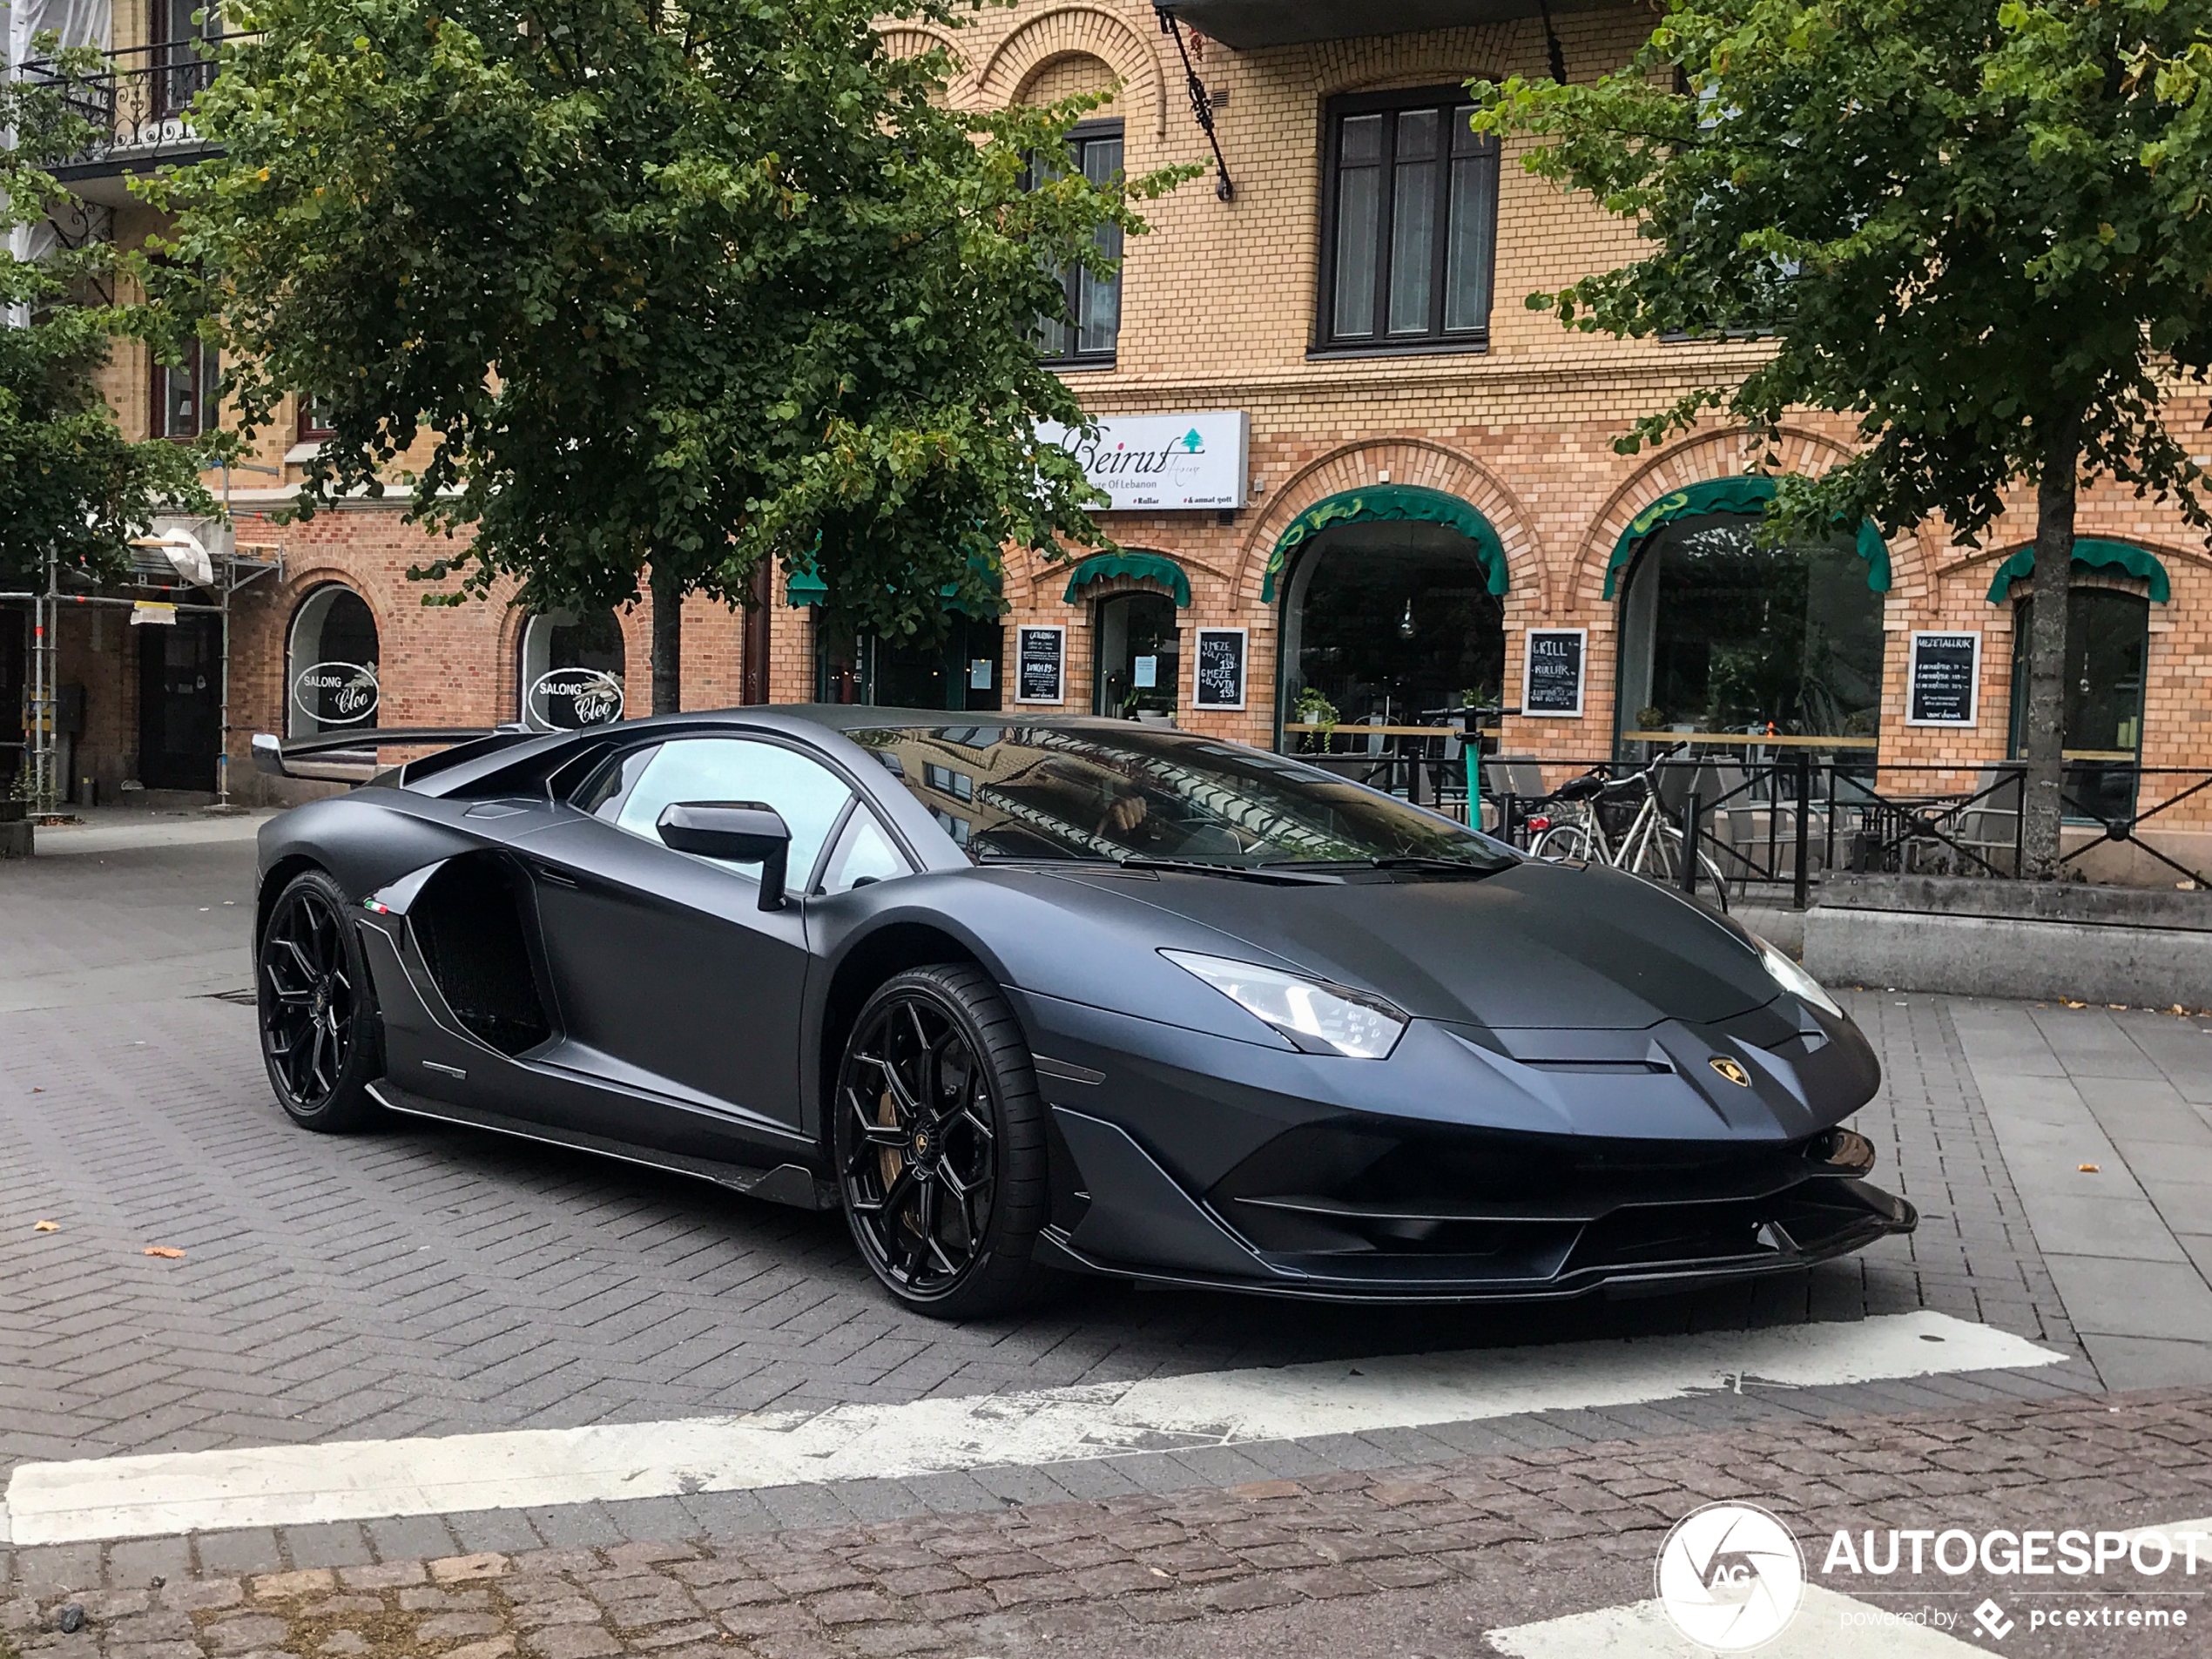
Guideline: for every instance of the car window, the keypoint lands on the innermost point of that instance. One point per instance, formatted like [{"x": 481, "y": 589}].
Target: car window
[
  {"x": 864, "y": 854},
  {"x": 807, "y": 793},
  {"x": 1120, "y": 790},
  {"x": 602, "y": 796}
]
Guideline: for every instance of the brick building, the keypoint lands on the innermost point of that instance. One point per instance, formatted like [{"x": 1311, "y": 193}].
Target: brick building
[{"x": 1353, "y": 472}]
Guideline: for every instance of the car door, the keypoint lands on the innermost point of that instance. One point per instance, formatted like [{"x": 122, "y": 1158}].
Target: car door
[{"x": 673, "y": 983}]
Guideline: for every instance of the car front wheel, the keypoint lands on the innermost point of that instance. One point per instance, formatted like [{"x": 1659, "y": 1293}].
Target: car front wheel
[
  {"x": 940, "y": 1145},
  {"x": 318, "y": 1015}
]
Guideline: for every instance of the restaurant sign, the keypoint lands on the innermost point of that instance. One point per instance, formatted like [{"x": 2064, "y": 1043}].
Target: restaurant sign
[{"x": 1171, "y": 463}]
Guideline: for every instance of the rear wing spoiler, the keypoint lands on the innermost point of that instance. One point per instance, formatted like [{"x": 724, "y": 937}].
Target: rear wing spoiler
[{"x": 350, "y": 756}]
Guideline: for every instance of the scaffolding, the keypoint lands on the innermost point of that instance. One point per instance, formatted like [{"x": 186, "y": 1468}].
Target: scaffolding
[{"x": 231, "y": 567}]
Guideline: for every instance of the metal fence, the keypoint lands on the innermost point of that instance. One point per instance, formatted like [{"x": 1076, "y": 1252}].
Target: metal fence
[{"x": 1781, "y": 821}]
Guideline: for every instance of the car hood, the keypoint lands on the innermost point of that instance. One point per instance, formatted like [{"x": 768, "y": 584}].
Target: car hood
[{"x": 1538, "y": 944}]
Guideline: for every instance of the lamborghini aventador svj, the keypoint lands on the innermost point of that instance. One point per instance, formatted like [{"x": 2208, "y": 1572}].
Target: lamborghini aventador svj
[{"x": 1026, "y": 997}]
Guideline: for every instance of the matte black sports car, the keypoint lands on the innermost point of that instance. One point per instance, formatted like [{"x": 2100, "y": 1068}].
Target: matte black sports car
[{"x": 1026, "y": 996}]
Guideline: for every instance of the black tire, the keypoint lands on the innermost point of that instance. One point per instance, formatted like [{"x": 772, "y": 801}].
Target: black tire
[
  {"x": 321, "y": 1040},
  {"x": 940, "y": 1139}
]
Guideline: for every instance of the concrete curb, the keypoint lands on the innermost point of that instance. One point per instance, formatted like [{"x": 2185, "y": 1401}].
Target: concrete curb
[{"x": 2002, "y": 939}]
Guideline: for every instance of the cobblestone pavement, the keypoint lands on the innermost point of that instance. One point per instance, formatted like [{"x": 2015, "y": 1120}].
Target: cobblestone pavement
[{"x": 1420, "y": 1557}]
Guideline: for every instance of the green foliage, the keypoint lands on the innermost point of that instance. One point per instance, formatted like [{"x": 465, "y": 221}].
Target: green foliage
[
  {"x": 1966, "y": 224},
  {"x": 69, "y": 480},
  {"x": 1313, "y": 708},
  {"x": 677, "y": 288}
]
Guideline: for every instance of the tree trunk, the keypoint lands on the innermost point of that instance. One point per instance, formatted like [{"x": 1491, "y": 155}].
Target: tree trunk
[
  {"x": 757, "y": 620},
  {"x": 2045, "y": 725},
  {"x": 668, "y": 642}
]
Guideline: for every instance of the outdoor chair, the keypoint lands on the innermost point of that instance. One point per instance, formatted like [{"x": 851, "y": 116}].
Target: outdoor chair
[{"x": 1989, "y": 827}]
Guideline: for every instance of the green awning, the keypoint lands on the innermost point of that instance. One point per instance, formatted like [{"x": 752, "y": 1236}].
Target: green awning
[
  {"x": 1150, "y": 567},
  {"x": 807, "y": 587},
  {"x": 2096, "y": 555},
  {"x": 1390, "y": 502},
  {"x": 1745, "y": 495}
]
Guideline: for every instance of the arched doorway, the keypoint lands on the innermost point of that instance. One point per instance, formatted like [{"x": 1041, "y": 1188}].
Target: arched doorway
[
  {"x": 1139, "y": 657},
  {"x": 331, "y": 664},
  {"x": 1721, "y": 638},
  {"x": 1392, "y": 609},
  {"x": 572, "y": 670}
]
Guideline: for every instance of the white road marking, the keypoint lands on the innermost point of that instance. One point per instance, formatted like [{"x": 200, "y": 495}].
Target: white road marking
[
  {"x": 130, "y": 1497},
  {"x": 1828, "y": 1626}
]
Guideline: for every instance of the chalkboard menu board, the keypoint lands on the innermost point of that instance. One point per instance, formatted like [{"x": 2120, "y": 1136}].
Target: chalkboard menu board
[
  {"x": 1551, "y": 672},
  {"x": 1946, "y": 680},
  {"x": 1221, "y": 669},
  {"x": 1040, "y": 665}
]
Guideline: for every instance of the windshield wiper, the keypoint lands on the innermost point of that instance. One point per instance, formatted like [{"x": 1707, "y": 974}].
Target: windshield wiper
[{"x": 1238, "y": 872}]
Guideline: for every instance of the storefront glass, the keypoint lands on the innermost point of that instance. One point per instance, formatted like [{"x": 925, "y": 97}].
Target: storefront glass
[
  {"x": 961, "y": 671},
  {"x": 2107, "y": 642},
  {"x": 1140, "y": 660},
  {"x": 571, "y": 671},
  {"x": 331, "y": 664},
  {"x": 1390, "y": 623},
  {"x": 1722, "y": 637}
]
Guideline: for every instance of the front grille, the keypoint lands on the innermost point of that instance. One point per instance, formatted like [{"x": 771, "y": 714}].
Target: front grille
[{"x": 1338, "y": 1199}]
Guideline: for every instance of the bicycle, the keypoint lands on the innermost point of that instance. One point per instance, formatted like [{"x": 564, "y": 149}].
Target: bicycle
[{"x": 1648, "y": 846}]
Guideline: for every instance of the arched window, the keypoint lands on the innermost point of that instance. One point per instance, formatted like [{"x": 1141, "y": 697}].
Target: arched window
[
  {"x": 572, "y": 670},
  {"x": 2107, "y": 648},
  {"x": 1719, "y": 634},
  {"x": 1388, "y": 620},
  {"x": 331, "y": 664}
]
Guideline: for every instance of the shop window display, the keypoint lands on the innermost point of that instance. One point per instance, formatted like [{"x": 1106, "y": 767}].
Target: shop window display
[{"x": 1720, "y": 636}]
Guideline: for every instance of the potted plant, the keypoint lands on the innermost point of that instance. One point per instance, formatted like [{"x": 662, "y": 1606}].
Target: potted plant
[{"x": 1314, "y": 709}]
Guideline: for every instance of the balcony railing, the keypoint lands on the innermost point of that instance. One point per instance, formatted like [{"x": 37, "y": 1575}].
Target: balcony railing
[{"x": 139, "y": 107}]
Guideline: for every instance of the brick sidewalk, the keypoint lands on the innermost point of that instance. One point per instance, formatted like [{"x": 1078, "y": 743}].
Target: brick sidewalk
[{"x": 1523, "y": 1536}]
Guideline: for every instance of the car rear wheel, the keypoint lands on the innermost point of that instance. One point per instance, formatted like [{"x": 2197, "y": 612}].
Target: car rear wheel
[
  {"x": 940, "y": 1145},
  {"x": 318, "y": 1015}
]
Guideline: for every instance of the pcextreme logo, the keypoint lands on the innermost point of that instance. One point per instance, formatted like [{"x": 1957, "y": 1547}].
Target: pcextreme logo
[{"x": 1730, "y": 1576}]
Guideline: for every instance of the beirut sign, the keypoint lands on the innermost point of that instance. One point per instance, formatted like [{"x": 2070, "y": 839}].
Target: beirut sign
[{"x": 1156, "y": 461}]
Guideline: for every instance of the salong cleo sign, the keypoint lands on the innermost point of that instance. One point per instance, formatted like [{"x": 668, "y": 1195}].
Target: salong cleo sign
[{"x": 1163, "y": 463}]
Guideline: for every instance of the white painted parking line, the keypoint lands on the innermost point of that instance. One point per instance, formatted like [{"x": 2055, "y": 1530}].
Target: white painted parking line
[
  {"x": 1828, "y": 1626},
  {"x": 128, "y": 1497}
]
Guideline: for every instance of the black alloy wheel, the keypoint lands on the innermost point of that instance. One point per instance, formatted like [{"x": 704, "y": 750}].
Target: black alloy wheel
[
  {"x": 941, "y": 1145},
  {"x": 317, "y": 1010}
]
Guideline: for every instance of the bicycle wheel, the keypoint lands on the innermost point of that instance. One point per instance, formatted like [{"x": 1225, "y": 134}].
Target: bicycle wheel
[
  {"x": 1660, "y": 859},
  {"x": 1563, "y": 841}
]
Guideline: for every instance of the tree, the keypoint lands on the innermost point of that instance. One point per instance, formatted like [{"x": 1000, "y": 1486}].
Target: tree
[
  {"x": 1973, "y": 227},
  {"x": 674, "y": 289},
  {"x": 71, "y": 484}
]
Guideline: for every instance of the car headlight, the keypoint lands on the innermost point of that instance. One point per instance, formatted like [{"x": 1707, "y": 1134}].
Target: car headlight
[
  {"x": 1319, "y": 1017},
  {"x": 1794, "y": 979}
]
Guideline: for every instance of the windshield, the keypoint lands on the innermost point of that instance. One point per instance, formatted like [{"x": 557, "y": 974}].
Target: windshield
[{"x": 1044, "y": 792}]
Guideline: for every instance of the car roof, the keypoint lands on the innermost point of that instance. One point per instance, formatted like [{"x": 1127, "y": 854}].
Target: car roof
[{"x": 856, "y": 716}]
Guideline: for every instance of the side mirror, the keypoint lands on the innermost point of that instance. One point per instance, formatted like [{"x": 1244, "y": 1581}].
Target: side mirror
[
  {"x": 740, "y": 831},
  {"x": 268, "y": 755}
]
